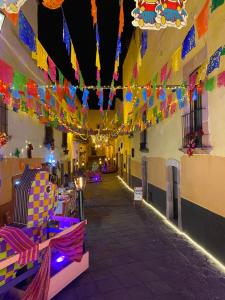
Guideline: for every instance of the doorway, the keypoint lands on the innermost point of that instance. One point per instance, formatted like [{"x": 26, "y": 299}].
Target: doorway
[
  {"x": 121, "y": 165},
  {"x": 145, "y": 178},
  {"x": 173, "y": 205},
  {"x": 129, "y": 170}
]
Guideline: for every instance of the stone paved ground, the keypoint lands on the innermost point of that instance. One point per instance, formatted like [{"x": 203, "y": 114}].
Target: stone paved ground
[{"x": 133, "y": 255}]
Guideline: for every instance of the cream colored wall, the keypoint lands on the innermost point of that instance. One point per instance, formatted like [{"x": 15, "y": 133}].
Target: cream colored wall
[
  {"x": 9, "y": 168},
  {"x": 202, "y": 176},
  {"x": 164, "y": 139}
]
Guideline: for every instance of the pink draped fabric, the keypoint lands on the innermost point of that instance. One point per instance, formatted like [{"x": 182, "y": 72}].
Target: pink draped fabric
[
  {"x": 70, "y": 245},
  {"x": 20, "y": 243}
]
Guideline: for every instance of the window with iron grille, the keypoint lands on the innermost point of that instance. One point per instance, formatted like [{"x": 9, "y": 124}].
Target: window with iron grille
[
  {"x": 3, "y": 117},
  {"x": 192, "y": 121}
]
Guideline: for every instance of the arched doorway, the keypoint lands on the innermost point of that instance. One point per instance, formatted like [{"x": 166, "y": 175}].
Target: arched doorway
[{"x": 173, "y": 200}]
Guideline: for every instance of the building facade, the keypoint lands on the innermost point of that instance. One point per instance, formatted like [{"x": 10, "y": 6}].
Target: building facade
[{"x": 188, "y": 189}]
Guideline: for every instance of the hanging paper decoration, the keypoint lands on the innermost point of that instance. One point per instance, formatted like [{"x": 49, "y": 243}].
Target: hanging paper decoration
[
  {"x": 52, "y": 69},
  {"x": 101, "y": 99},
  {"x": 201, "y": 74},
  {"x": 85, "y": 98},
  {"x": 162, "y": 94},
  {"x": 202, "y": 20},
  {"x": 176, "y": 59},
  {"x": 192, "y": 81},
  {"x": 119, "y": 46},
  {"x": 61, "y": 78},
  {"x": 151, "y": 101},
  {"x": 144, "y": 94},
  {"x": 180, "y": 98},
  {"x": 72, "y": 90},
  {"x": 157, "y": 14},
  {"x": 42, "y": 93},
  {"x": 40, "y": 56},
  {"x": 137, "y": 102},
  {"x": 26, "y": 33},
  {"x": 195, "y": 95},
  {"x": 216, "y": 4},
  {"x": 6, "y": 72},
  {"x": 189, "y": 42},
  {"x": 97, "y": 62},
  {"x": 94, "y": 11},
  {"x": 172, "y": 13},
  {"x": 16, "y": 94},
  {"x": 129, "y": 95},
  {"x": 144, "y": 43},
  {"x": 135, "y": 71},
  {"x": 221, "y": 79},
  {"x": 12, "y": 6},
  {"x": 210, "y": 84},
  {"x": 163, "y": 73},
  {"x": 214, "y": 62},
  {"x": 52, "y": 4},
  {"x": 19, "y": 82},
  {"x": 66, "y": 35},
  {"x": 74, "y": 63}
]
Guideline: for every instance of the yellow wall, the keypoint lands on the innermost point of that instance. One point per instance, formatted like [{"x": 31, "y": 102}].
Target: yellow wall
[
  {"x": 202, "y": 181},
  {"x": 157, "y": 172}
]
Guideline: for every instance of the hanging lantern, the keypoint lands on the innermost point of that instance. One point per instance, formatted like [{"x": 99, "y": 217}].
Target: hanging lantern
[{"x": 52, "y": 4}]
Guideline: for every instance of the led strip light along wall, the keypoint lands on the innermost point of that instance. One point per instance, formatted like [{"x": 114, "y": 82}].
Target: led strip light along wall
[{"x": 214, "y": 261}]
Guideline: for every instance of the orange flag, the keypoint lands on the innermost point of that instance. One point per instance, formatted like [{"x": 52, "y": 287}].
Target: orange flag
[{"x": 202, "y": 20}]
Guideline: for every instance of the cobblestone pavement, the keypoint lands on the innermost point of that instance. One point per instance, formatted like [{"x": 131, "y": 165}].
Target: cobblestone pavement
[{"x": 135, "y": 256}]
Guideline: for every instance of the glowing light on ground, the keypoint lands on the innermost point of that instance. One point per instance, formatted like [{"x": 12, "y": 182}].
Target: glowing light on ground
[{"x": 213, "y": 260}]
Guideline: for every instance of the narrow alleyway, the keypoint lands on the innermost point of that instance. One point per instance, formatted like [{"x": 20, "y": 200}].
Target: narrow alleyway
[{"x": 133, "y": 255}]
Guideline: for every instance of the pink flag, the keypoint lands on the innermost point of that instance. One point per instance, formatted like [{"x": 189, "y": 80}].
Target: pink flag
[
  {"x": 221, "y": 79},
  {"x": 163, "y": 73},
  {"x": 52, "y": 69},
  {"x": 6, "y": 72}
]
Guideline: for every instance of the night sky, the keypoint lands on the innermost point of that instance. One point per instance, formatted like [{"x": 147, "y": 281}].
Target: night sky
[{"x": 80, "y": 23}]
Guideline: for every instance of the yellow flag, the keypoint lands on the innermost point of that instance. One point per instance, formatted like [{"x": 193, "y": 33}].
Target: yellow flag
[
  {"x": 176, "y": 60},
  {"x": 42, "y": 56},
  {"x": 73, "y": 58},
  {"x": 97, "y": 59},
  {"x": 201, "y": 73}
]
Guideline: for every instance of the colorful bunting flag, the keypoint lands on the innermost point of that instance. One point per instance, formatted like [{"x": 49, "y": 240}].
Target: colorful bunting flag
[
  {"x": 214, "y": 62},
  {"x": 202, "y": 20},
  {"x": 52, "y": 69},
  {"x": 189, "y": 42},
  {"x": 216, "y": 4},
  {"x": 26, "y": 33},
  {"x": 6, "y": 72},
  {"x": 210, "y": 84},
  {"x": 19, "y": 82},
  {"x": 221, "y": 79},
  {"x": 41, "y": 56},
  {"x": 163, "y": 73},
  {"x": 66, "y": 35},
  {"x": 61, "y": 78},
  {"x": 144, "y": 43},
  {"x": 176, "y": 59}
]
